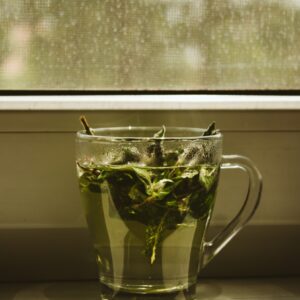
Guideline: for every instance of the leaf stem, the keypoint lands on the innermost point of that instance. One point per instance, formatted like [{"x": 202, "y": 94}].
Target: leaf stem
[
  {"x": 157, "y": 235},
  {"x": 86, "y": 126}
]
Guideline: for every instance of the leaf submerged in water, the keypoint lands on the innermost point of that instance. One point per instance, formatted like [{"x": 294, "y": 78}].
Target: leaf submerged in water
[{"x": 153, "y": 195}]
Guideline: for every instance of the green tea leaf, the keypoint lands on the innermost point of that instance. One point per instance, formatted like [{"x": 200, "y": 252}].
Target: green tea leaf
[
  {"x": 211, "y": 129},
  {"x": 171, "y": 157},
  {"x": 189, "y": 173},
  {"x": 161, "y": 133},
  {"x": 207, "y": 176},
  {"x": 191, "y": 156},
  {"x": 127, "y": 155},
  {"x": 184, "y": 204},
  {"x": 162, "y": 188},
  {"x": 155, "y": 150},
  {"x": 136, "y": 193},
  {"x": 143, "y": 175}
]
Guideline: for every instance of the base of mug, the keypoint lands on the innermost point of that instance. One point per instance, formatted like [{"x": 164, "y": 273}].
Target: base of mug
[{"x": 141, "y": 287}]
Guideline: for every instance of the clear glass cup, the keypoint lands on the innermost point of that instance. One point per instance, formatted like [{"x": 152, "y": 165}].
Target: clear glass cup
[{"x": 148, "y": 200}]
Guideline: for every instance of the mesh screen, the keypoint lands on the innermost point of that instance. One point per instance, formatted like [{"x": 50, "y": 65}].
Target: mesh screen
[{"x": 149, "y": 44}]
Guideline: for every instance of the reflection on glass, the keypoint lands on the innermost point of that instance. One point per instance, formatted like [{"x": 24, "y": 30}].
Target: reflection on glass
[{"x": 149, "y": 44}]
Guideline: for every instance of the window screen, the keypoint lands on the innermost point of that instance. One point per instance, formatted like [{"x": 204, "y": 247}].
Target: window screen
[{"x": 149, "y": 44}]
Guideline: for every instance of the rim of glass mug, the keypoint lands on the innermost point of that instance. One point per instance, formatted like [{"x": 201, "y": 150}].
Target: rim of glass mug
[{"x": 99, "y": 134}]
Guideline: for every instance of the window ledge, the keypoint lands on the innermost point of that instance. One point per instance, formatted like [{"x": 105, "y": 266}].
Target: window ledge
[
  {"x": 150, "y": 102},
  {"x": 244, "y": 289}
]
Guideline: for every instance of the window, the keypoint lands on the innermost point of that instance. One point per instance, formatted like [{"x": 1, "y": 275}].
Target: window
[{"x": 149, "y": 44}]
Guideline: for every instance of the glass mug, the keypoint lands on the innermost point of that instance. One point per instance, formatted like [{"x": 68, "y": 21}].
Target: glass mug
[{"x": 148, "y": 200}]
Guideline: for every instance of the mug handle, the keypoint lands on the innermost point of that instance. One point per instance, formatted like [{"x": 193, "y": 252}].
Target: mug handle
[{"x": 213, "y": 247}]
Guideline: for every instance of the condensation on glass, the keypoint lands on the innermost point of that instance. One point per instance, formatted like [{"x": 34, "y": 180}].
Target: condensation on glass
[{"x": 149, "y": 44}]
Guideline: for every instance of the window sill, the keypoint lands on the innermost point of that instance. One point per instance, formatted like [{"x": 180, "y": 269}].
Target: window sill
[
  {"x": 246, "y": 289},
  {"x": 150, "y": 102}
]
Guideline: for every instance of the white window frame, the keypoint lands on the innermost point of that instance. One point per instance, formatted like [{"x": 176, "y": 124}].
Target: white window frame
[{"x": 149, "y": 102}]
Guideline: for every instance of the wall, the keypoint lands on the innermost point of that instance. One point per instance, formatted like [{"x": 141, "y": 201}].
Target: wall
[{"x": 42, "y": 230}]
